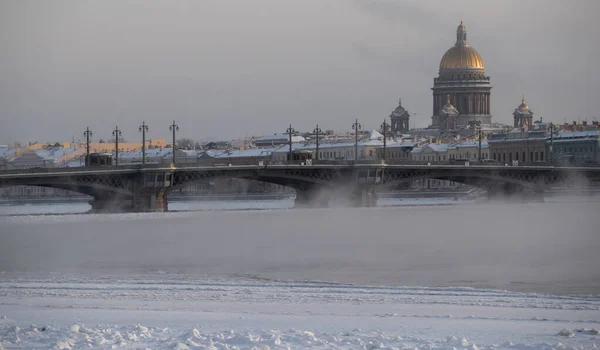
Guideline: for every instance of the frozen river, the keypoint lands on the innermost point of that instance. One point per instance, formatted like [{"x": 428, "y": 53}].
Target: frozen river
[
  {"x": 465, "y": 276},
  {"x": 551, "y": 247}
]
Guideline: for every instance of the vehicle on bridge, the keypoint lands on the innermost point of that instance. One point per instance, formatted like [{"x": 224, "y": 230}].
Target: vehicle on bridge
[{"x": 99, "y": 159}]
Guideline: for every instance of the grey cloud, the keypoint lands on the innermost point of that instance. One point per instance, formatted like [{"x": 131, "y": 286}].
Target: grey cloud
[{"x": 227, "y": 69}]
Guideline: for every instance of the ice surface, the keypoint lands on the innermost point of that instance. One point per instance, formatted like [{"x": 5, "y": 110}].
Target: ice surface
[{"x": 171, "y": 312}]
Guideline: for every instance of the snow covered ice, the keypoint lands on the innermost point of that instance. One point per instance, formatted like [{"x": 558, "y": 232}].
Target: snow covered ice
[
  {"x": 219, "y": 280},
  {"x": 65, "y": 312}
]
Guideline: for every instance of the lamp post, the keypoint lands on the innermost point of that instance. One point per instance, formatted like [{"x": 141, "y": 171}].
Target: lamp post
[
  {"x": 384, "y": 128},
  {"x": 551, "y": 144},
  {"x": 317, "y": 131},
  {"x": 356, "y": 126},
  {"x": 478, "y": 128},
  {"x": 116, "y": 133},
  {"x": 143, "y": 129},
  {"x": 290, "y": 131},
  {"x": 87, "y": 133},
  {"x": 174, "y": 127}
]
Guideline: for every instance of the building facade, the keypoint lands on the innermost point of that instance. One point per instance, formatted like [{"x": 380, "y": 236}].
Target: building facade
[{"x": 519, "y": 147}]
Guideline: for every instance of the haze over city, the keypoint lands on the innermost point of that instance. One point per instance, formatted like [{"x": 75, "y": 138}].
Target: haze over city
[{"x": 229, "y": 69}]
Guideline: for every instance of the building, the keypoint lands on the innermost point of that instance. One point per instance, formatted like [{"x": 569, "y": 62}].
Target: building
[
  {"x": 49, "y": 157},
  {"x": 400, "y": 120},
  {"x": 461, "y": 83},
  {"x": 523, "y": 116},
  {"x": 580, "y": 147},
  {"x": 519, "y": 147},
  {"x": 7, "y": 153}
]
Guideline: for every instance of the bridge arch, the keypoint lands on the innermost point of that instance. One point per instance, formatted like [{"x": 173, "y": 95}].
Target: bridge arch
[{"x": 483, "y": 180}]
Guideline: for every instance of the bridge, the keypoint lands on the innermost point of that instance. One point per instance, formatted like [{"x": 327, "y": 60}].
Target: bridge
[{"x": 145, "y": 188}]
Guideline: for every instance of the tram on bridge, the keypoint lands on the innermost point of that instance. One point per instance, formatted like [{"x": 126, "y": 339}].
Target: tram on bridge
[{"x": 99, "y": 159}]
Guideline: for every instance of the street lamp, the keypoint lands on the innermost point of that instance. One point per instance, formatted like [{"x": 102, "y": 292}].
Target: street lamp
[
  {"x": 384, "y": 128},
  {"x": 356, "y": 126},
  {"x": 116, "y": 133},
  {"x": 173, "y": 127},
  {"x": 317, "y": 131},
  {"x": 551, "y": 144},
  {"x": 143, "y": 129},
  {"x": 476, "y": 125},
  {"x": 290, "y": 131},
  {"x": 87, "y": 133},
  {"x": 478, "y": 128}
]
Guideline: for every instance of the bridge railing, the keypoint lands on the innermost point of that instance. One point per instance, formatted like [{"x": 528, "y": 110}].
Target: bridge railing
[{"x": 40, "y": 170}]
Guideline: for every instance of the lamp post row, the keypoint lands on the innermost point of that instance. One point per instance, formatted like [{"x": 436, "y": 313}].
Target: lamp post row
[
  {"x": 117, "y": 133},
  {"x": 356, "y": 126}
]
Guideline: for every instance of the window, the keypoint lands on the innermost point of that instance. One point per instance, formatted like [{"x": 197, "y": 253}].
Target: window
[
  {"x": 531, "y": 157},
  {"x": 536, "y": 156},
  {"x": 524, "y": 157},
  {"x": 517, "y": 156}
]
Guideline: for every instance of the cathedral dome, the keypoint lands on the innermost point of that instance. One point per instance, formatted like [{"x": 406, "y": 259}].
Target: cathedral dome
[
  {"x": 523, "y": 105},
  {"x": 461, "y": 55}
]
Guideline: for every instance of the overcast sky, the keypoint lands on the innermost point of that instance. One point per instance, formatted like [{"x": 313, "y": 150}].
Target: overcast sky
[{"x": 226, "y": 69}]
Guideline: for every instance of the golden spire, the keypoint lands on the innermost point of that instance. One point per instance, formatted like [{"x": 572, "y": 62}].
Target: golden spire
[
  {"x": 523, "y": 104},
  {"x": 448, "y": 103}
]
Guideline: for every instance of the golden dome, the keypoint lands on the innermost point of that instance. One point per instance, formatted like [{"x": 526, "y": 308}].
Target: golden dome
[
  {"x": 448, "y": 103},
  {"x": 523, "y": 104},
  {"x": 461, "y": 55}
]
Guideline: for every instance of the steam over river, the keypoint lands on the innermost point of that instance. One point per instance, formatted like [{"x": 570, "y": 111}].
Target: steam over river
[{"x": 551, "y": 247}]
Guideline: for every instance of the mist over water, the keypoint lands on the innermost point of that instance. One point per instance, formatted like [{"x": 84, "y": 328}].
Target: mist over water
[{"x": 550, "y": 247}]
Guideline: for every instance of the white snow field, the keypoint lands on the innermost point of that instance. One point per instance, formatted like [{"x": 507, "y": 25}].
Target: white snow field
[{"x": 167, "y": 312}]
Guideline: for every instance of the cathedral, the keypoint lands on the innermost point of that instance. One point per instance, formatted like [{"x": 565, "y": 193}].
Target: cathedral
[
  {"x": 461, "y": 91},
  {"x": 461, "y": 87}
]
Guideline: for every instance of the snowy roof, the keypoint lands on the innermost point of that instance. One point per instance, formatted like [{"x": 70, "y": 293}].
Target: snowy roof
[
  {"x": 5, "y": 151},
  {"x": 52, "y": 153},
  {"x": 375, "y": 135},
  {"x": 442, "y": 147},
  {"x": 251, "y": 152},
  {"x": 401, "y": 144},
  {"x": 280, "y": 138},
  {"x": 472, "y": 144},
  {"x": 577, "y": 134},
  {"x": 74, "y": 163},
  {"x": 150, "y": 153}
]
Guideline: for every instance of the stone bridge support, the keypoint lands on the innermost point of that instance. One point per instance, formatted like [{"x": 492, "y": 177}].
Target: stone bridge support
[
  {"x": 311, "y": 198},
  {"x": 113, "y": 204},
  {"x": 364, "y": 196},
  {"x": 514, "y": 192},
  {"x": 148, "y": 194}
]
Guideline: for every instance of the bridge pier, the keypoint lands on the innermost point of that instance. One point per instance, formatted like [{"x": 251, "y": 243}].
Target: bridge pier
[
  {"x": 311, "y": 199},
  {"x": 364, "y": 197},
  {"x": 154, "y": 200},
  {"x": 109, "y": 205},
  {"x": 514, "y": 192}
]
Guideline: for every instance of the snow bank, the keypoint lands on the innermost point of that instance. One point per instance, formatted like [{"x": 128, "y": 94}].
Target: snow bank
[{"x": 165, "y": 338}]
